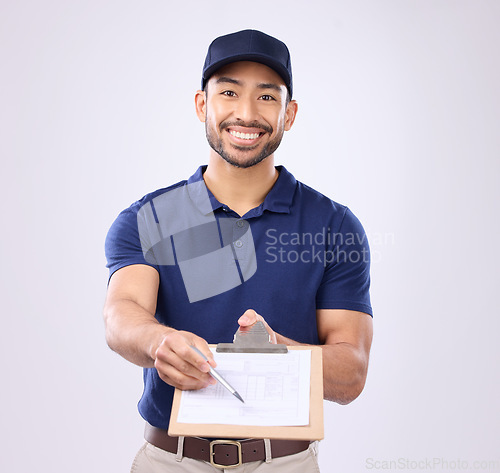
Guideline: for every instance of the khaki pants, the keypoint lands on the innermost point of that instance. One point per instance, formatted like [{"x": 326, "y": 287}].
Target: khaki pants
[{"x": 151, "y": 459}]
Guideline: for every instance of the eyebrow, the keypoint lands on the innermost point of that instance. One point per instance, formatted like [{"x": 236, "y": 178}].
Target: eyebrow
[
  {"x": 223, "y": 79},
  {"x": 263, "y": 85},
  {"x": 272, "y": 86}
]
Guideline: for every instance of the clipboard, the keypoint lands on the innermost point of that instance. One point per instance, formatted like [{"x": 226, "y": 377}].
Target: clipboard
[{"x": 313, "y": 431}]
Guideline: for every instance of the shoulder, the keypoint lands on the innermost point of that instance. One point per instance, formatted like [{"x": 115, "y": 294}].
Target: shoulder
[
  {"x": 310, "y": 196},
  {"x": 337, "y": 216},
  {"x": 125, "y": 225},
  {"x": 135, "y": 207},
  {"x": 320, "y": 205}
]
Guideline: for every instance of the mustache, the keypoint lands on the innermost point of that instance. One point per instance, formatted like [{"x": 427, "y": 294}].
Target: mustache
[{"x": 254, "y": 124}]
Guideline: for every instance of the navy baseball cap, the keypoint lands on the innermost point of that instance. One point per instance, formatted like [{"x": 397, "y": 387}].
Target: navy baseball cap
[{"x": 248, "y": 45}]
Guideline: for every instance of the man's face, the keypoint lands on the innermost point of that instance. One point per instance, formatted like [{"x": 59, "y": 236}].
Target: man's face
[{"x": 246, "y": 112}]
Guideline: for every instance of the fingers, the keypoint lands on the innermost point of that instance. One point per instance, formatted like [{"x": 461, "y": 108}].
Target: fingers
[
  {"x": 250, "y": 317},
  {"x": 180, "y": 366}
]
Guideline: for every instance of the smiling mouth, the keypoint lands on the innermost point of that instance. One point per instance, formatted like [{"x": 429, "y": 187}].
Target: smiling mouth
[{"x": 244, "y": 136}]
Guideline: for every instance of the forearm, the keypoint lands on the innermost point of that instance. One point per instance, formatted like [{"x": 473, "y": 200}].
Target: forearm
[
  {"x": 344, "y": 370},
  {"x": 344, "y": 373},
  {"x": 132, "y": 332}
]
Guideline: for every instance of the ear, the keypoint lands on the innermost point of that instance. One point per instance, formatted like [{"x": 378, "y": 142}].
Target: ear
[
  {"x": 200, "y": 101},
  {"x": 290, "y": 114}
]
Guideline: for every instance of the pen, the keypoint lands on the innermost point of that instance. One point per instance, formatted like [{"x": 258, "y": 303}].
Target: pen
[{"x": 218, "y": 377}]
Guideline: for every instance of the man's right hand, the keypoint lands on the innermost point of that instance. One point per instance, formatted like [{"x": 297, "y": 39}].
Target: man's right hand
[{"x": 179, "y": 365}]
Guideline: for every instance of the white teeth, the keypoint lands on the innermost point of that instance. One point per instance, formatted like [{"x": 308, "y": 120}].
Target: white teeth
[{"x": 244, "y": 136}]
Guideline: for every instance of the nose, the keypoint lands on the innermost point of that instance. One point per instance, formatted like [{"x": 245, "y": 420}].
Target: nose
[{"x": 246, "y": 110}]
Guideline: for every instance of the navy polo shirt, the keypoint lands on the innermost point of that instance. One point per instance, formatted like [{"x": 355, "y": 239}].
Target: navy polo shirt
[{"x": 295, "y": 253}]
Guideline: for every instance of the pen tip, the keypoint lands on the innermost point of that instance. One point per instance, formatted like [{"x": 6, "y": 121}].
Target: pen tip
[{"x": 239, "y": 397}]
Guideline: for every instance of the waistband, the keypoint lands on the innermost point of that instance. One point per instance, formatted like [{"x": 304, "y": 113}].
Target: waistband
[{"x": 223, "y": 453}]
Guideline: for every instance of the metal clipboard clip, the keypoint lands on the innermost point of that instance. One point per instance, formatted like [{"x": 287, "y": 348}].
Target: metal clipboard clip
[{"x": 253, "y": 339}]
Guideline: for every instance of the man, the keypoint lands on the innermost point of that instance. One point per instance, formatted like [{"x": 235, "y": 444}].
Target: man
[{"x": 240, "y": 241}]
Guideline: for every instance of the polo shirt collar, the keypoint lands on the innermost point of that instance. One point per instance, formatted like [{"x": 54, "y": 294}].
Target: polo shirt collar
[
  {"x": 198, "y": 194},
  {"x": 279, "y": 199}
]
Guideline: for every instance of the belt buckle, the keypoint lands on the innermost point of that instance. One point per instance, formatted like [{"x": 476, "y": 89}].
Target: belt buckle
[{"x": 225, "y": 442}]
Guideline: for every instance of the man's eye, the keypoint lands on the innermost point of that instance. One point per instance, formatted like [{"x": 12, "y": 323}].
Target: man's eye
[
  {"x": 228, "y": 93},
  {"x": 267, "y": 97}
]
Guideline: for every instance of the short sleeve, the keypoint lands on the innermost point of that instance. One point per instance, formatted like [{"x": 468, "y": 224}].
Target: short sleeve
[
  {"x": 123, "y": 245},
  {"x": 346, "y": 280}
]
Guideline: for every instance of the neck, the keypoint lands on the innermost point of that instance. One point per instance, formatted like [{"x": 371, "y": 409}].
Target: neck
[{"x": 241, "y": 189}]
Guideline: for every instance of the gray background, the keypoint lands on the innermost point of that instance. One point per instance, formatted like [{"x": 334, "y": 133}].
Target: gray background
[{"x": 399, "y": 112}]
